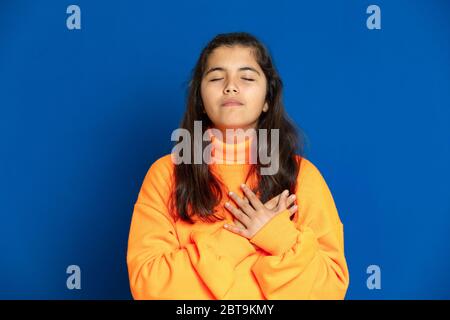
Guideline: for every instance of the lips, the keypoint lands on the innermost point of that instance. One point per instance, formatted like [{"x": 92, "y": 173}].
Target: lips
[{"x": 231, "y": 103}]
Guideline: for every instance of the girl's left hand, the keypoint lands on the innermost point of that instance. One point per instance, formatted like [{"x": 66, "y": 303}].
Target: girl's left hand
[{"x": 251, "y": 218}]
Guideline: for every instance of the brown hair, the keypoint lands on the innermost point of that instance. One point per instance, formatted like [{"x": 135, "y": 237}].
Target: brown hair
[{"x": 197, "y": 191}]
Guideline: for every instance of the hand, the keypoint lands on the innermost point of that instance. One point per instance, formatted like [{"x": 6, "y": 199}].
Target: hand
[
  {"x": 251, "y": 218},
  {"x": 271, "y": 204}
]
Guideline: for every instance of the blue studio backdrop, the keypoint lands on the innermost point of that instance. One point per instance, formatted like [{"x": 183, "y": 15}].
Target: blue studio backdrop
[{"x": 85, "y": 112}]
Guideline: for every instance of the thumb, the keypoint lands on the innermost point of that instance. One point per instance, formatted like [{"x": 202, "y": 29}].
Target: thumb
[
  {"x": 272, "y": 203},
  {"x": 283, "y": 200}
]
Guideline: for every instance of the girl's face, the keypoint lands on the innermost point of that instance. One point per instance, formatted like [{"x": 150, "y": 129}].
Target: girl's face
[{"x": 233, "y": 88}]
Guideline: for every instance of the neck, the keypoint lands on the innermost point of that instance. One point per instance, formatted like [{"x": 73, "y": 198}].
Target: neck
[{"x": 233, "y": 147}]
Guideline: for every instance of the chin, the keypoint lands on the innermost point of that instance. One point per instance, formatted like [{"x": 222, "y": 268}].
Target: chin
[{"x": 235, "y": 125}]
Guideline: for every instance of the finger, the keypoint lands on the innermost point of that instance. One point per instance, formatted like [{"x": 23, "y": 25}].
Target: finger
[
  {"x": 237, "y": 230},
  {"x": 238, "y": 214},
  {"x": 238, "y": 224},
  {"x": 290, "y": 200},
  {"x": 272, "y": 203},
  {"x": 283, "y": 200},
  {"x": 293, "y": 209},
  {"x": 245, "y": 206},
  {"x": 256, "y": 203},
  {"x": 246, "y": 200}
]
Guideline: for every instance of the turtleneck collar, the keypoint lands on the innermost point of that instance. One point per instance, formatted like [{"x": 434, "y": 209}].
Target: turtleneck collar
[{"x": 226, "y": 150}]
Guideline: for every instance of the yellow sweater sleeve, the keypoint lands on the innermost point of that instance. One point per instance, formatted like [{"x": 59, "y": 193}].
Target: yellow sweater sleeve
[
  {"x": 305, "y": 258},
  {"x": 159, "y": 268}
]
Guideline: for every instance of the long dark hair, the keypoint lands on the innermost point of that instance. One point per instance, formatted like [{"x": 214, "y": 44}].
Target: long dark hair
[{"x": 197, "y": 191}]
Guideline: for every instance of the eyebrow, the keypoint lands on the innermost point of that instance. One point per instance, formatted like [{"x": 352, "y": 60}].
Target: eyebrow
[{"x": 240, "y": 69}]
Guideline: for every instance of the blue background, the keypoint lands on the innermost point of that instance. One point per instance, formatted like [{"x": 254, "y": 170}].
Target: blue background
[{"x": 84, "y": 113}]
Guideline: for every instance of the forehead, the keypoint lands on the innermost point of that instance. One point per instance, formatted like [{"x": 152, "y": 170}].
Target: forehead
[{"x": 231, "y": 57}]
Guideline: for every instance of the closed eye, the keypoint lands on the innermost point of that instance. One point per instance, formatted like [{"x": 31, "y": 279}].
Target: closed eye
[{"x": 247, "y": 79}]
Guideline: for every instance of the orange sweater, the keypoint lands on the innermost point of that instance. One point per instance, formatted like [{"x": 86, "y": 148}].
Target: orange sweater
[{"x": 298, "y": 259}]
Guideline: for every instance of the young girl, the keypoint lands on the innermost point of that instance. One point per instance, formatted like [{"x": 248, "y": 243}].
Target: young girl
[{"x": 221, "y": 228}]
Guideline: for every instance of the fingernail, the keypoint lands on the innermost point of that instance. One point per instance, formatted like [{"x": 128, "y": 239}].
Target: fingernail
[
  {"x": 243, "y": 186},
  {"x": 227, "y": 204},
  {"x": 225, "y": 226},
  {"x": 293, "y": 197},
  {"x": 230, "y": 193}
]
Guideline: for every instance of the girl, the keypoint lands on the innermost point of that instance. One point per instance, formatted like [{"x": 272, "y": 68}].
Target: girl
[{"x": 221, "y": 229}]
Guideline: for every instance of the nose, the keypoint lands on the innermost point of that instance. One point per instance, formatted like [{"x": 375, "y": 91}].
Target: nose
[{"x": 230, "y": 87}]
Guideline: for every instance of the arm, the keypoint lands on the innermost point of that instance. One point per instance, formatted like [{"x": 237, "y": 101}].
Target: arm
[
  {"x": 305, "y": 258},
  {"x": 159, "y": 268}
]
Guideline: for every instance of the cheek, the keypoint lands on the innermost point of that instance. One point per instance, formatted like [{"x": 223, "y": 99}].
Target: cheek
[
  {"x": 203, "y": 92},
  {"x": 257, "y": 96},
  {"x": 208, "y": 93},
  {"x": 209, "y": 98}
]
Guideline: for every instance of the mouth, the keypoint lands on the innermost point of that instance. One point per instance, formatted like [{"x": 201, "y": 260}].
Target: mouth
[{"x": 232, "y": 103}]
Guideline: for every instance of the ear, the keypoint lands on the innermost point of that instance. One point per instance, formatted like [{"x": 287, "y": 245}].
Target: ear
[{"x": 266, "y": 107}]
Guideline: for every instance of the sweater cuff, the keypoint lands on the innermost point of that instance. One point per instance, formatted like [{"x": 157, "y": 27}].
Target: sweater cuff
[
  {"x": 226, "y": 244},
  {"x": 278, "y": 235}
]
